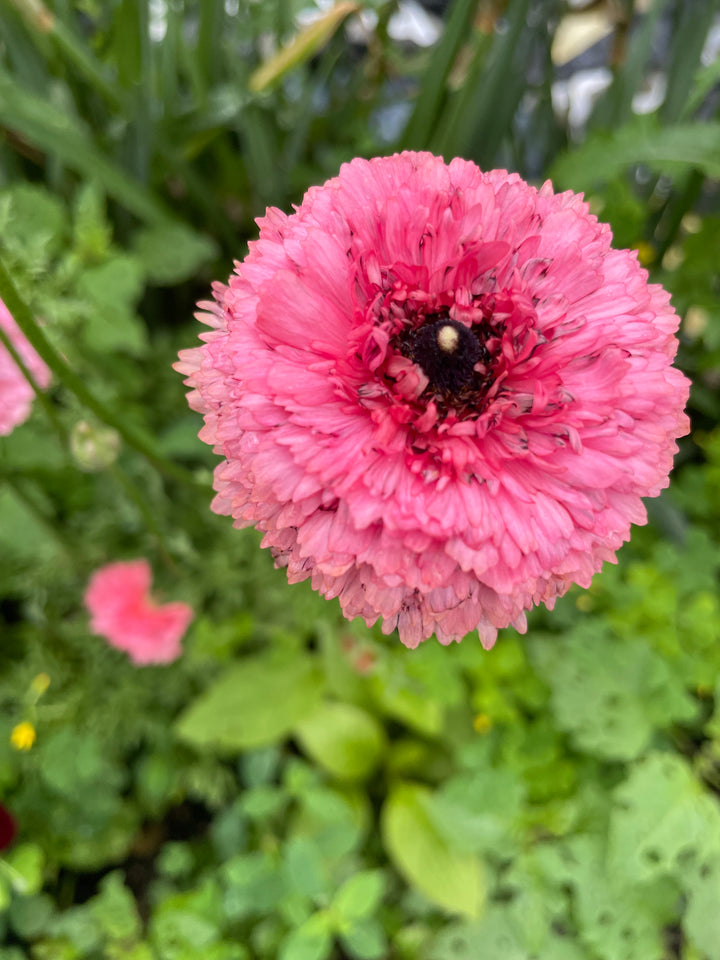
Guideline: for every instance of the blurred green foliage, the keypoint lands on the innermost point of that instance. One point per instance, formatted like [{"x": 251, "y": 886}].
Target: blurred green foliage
[{"x": 296, "y": 786}]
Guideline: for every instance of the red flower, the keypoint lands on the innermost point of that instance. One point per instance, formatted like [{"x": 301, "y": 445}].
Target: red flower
[{"x": 8, "y": 828}]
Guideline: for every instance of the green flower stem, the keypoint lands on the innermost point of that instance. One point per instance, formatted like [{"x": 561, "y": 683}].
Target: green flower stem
[{"x": 73, "y": 382}]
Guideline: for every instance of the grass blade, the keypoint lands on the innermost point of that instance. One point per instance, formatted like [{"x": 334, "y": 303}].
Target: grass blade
[
  {"x": 37, "y": 121},
  {"x": 433, "y": 87},
  {"x": 301, "y": 48}
]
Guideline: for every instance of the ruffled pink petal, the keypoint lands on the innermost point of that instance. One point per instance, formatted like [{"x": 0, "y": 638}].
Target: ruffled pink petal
[{"x": 433, "y": 509}]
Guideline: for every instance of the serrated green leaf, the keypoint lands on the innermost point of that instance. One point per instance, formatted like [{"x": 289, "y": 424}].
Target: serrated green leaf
[
  {"x": 254, "y": 703},
  {"x": 663, "y": 149},
  {"x": 37, "y": 218},
  {"x": 115, "y": 909},
  {"x": 479, "y": 810},
  {"x": 344, "y": 739},
  {"x": 113, "y": 289},
  {"x": 610, "y": 695},
  {"x": 616, "y": 918},
  {"x": 446, "y": 876},
  {"x": 701, "y": 921},
  {"x": 663, "y": 819}
]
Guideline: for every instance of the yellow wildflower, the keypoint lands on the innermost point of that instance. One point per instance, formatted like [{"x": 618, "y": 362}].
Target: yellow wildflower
[
  {"x": 482, "y": 723},
  {"x": 23, "y": 736}
]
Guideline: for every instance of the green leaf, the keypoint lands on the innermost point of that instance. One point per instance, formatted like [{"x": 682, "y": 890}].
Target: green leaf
[
  {"x": 22, "y": 531},
  {"x": 304, "y": 868},
  {"x": 701, "y": 921},
  {"x": 92, "y": 232},
  {"x": 663, "y": 820},
  {"x": 336, "y": 820},
  {"x": 344, "y": 739},
  {"x": 37, "y": 218},
  {"x": 115, "y": 909},
  {"x": 30, "y": 916},
  {"x": 113, "y": 289},
  {"x": 663, "y": 149},
  {"x": 480, "y": 810},
  {"x": 610, "y": 695},
  {"x": 254, "y": 703},
  {"x": 172, "y": 252},
  {"x": 30, "y": 448},
  {"x": 253, "y": 884},
  {"x": 413, "y": 707},
  {"x": 616, "y": 918},
  {"x": 496, "y": 937},
  {"x": 448, "y": 877},
  {"x": 27, "y": 865},
  {"x": 365, "y": 940},
  {"x": 312, "y": 940},
  {"x": 359, "y": 896}
]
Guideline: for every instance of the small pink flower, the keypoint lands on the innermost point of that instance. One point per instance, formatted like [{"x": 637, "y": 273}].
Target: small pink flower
[
  {"x": 16, "y": 394},
  {"x": 121, "y": 610},
  {"x": 439, "y": 393}
]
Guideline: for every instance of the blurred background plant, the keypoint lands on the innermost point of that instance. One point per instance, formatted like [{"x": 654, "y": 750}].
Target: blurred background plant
[{"x": 295, "y": 786}]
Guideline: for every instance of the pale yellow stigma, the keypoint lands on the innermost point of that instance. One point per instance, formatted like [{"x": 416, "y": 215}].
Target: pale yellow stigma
[{"x": 448, "y": 339}]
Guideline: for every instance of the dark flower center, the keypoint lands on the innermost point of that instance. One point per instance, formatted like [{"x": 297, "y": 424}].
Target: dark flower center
[{"x": 447, "y": 352}]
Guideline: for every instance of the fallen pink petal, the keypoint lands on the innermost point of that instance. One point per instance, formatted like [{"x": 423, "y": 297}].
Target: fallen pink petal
[
  {"x": 439, "y": 392},
  {"x": 123, "y": 612},
  {"x": 16, "y": 394}
]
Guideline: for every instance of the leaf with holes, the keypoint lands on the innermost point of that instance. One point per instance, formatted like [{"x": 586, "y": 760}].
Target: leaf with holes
[
  {"x": 610, "y": 695},
  {"x": 615, "y": 918},
  {"x": 701, "y": 922},
  {"x": 663, "y": 821}
]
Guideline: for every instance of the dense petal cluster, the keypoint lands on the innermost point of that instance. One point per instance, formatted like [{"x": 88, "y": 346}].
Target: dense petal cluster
[
  {"x": 121, "y": 611},
  {"x": 439, "y": 392},
  {"x": 16, "y": 394}
]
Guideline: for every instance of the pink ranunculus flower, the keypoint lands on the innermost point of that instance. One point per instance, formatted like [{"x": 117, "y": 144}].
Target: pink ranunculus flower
[
  {"x": 121, "y": 611},
  {"x": 16, "y": 394},
  {"x": 439, "y": 392}
]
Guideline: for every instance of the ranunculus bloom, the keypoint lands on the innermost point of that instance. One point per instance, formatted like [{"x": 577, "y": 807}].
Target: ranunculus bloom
[
  {"x": 439, "y": 393},
  {"x": 16, "y": 394},
  {"x": 121, "y": 610}
]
